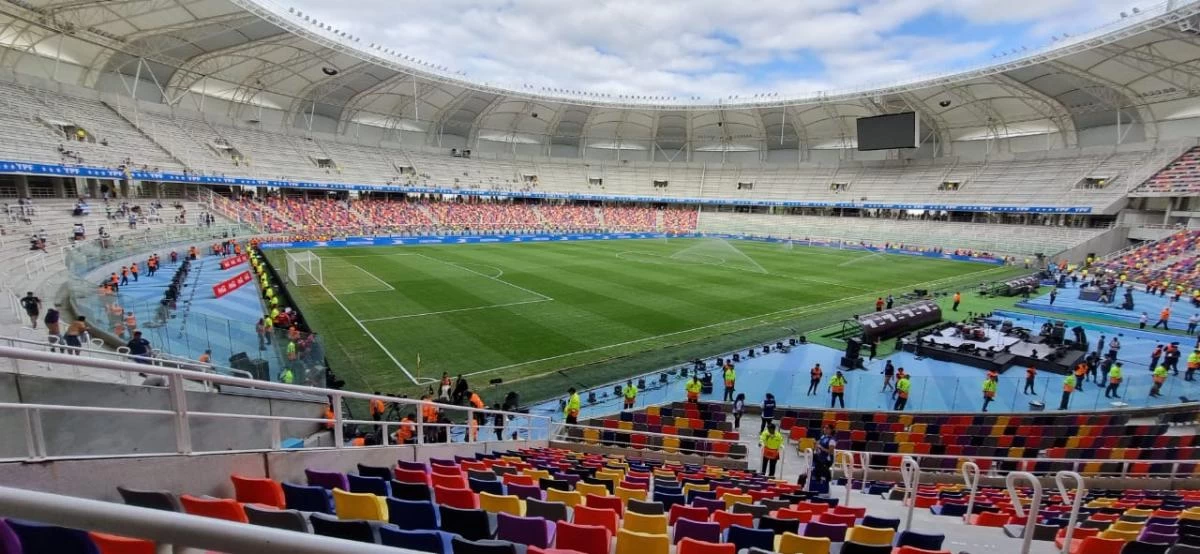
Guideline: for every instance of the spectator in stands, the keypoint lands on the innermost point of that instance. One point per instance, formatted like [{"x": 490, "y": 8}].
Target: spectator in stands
[
  {"x": 739, "y": 408},
  {"x": 53, "y": 327},
  {"x": 444, "y": 388},
  {"x": 139, "y": 348},
  {"x": 460, "y": 391},
  {"x": 33, "y": 307},
  {"x": 768, "y": 411},
  {"x": 377, "y": 407},
  {"x": 771, "y": 440},
  {"x": 77, "y": 334}
]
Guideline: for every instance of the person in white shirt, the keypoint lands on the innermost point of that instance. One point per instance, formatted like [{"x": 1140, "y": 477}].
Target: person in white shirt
[{"x": 1192, "y": 321}]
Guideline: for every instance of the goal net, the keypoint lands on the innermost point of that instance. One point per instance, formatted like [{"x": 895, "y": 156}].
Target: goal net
[{"x": 304, "y": 269}]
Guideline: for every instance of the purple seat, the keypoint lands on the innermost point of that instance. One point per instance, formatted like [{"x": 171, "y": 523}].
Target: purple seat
[
  {"x": 1162, "y": 528},
  {"x": 443, "y": 462},
  {"x": 1147, "y": 536},
  {"x": 710, "y": 504},
  {"x": 414, "y": 466},
  {"x": 833, "y": 532},
  {"x": 525, "y": 492},
  {"x": 9, "y": 543},
  {"x": 532, "y": 531},
  {"x": 327, "y": 479},
  {"x": 39, "y": 537},
  {"x": 699, "y": 530},
  {"x": 568, "y": 477}
]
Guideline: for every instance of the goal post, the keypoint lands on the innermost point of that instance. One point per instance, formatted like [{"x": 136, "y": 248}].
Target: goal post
[{"x": 304, "y": 269}]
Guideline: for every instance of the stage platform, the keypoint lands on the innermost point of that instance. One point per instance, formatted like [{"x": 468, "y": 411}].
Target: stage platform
[{"x": 997, "y": 351}]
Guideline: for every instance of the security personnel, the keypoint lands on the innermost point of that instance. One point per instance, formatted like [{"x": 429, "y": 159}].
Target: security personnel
[
  {"x": 429, "y": 414},
  {"x": 1160, "y": 377},
  {"x": 377, "y": 407},
  {"x": 286, "y": 376},
  {"x": 1080, "y": 371},
  {"x": 630, "y": 394},
  {"x": 1193, "y": 364},
  {"x": 1114, "y": 381},
  {"x": 291, "y": 351},
  {"x": 814, "y": 379},
  {"x": 837, "y": 390},
  {"x": 989, "y": 390},
  {"x": 406, "y": 431},
  {"x": 902, "y": 388},
  {"x": 1030, "y": 377},
  {"x": 133, "y": 270},
  {"x": 730, "y": 379},
  {"x": 124, "y": 275},
  {"x": 957, "y": 300},
  {"x": 693, "y": 389},
  {"x": 571, "y": 410},
  {"x": 329, "y": 417},
  {"x": 771, "y": 440},
  {"x": 1067, "y": 388},
  {"x": 480, "y": 418},
  {"x": 1155, "y": 356}
]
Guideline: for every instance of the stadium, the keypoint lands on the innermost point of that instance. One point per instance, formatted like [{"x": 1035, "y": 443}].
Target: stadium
[{"x": 275, "y": 287}]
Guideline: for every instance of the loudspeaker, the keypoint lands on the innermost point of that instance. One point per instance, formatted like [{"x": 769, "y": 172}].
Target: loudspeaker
[
  {"x": 260, "y": 369},
  {"x": 852, "y": 362},
  {"x": 496, "y": 381},
  {"x": 853, "y": 345},
  {"x": 737, "y": 357},
  {"x": 239, "y": 358},
  {"x": 750, "y": 353}
]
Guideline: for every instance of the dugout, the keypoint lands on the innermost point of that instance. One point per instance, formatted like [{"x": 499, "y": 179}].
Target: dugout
[{"x": 897, "y": 321}]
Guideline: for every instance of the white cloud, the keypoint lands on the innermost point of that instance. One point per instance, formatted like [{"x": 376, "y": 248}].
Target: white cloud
[{"x": 707, "y": 48}]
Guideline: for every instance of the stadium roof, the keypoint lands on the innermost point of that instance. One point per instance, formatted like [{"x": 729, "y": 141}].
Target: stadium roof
[{"x": 1145, "y": 67}]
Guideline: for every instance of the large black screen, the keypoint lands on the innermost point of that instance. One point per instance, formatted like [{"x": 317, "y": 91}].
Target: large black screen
[{"x": 900, "y": 130}]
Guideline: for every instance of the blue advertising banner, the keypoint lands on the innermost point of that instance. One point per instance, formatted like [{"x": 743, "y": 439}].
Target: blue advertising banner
[
  {"x": 542, "y": 238},
  {"x": 139, "y": 175}
]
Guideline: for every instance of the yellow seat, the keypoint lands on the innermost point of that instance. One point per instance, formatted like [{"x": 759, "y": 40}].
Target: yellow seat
[
  {"x": 662, "y": 474},
  {"x": 907, "y": 448},
  {"x": 626, "y": 494},
  {"x": 1190, "y": 513},
  {"x": 497, "y": 504},
  {"x": 1099, "y": 503},
  {"x": 670, "y": 444},
  {"x": 688, "y": 487},
  {"x": 906, "y": 420},
  {"x": 843, "y": 425},
  {"x": 1002, "y": 422},
  {"x": 1072, "y": 442},
  {"x": 791, "y": 543},
  {"x": 806, "y": 443},
  {"x": 918, "y": 428},
  {"x": 591, "y": 436},
  {"x": 591, "y": 488},
  {"x": 715, "y": 434},
  {"x": 570, "y": 498},
  {"x": 871, "y": 535},
  {"x": 642, "y": 523},
  {"x": 1092, "y": 468},
  {"x": 1134, "y": 512},
  {"x": 625, "y": 425},
  {"x": 653, "y": 411},
  {"x": 632, "y": 542},
  {"x": 1127, "y": 536},
  {"x": 610, "y": 474},
  {"x": 537, "y": 474},
  {"x": 682, "y": 423},
  {"x": 1120, "y": 525},
  {"x": 731, "y": 499},
  {"x": 902, "y": 436},
  {"x": 359, "y": 505}
]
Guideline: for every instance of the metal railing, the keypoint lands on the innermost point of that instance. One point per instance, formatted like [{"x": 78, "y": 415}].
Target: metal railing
[
  {"x": 87, "y": 352},
  {"x": 971, "y": 462},
  {"x": 528, "y": 427}
]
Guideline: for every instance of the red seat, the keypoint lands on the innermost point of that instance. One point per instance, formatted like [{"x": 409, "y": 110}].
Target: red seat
[
  {"x": 693, "y": 546},
  {"x": 1079, "y": 535},
  {"x": 595, "y": 516},
  {"x": 518, "y": 479},
  {"x": 411, "y": 476},
  {"x": 988, "y": 519},
  {"x": 614, "y": 503},
  {"x": 456, "y": 481},
  {"x": 686, "y": 512},
  {"x": 858, "y": 512},
  {"x": 439, "y": 469},
  {"x": 218, "y": 508},
  {"x": 455, "y": 497},
  {"x": 113, "y": 544},
  {"x": 588, "y": 539},
  {"x": 725, "y": 519},
  {"x": 254, "y": 490},
  {"x": 803, "y": 516},
  {"x": 915, "y": 550},
  {"x": 1097, "y": 545}
]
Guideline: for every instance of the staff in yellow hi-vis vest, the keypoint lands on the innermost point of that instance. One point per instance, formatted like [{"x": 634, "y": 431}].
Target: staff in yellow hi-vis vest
[
  {"x": 903, "y": 385},
  {"x": 837, "y": 390},
  {"x": 989, "y": 390},
  {"x": 630, "y": 394},
  {"x": 1068, "y": 388},
  {"x": 730, "y": 379},
  {"x": 693, "y": 389},
  {"x": 1160, "y": 377},
  {"x": 571, "y": 410},
  {"x": 771, "y": 440}
]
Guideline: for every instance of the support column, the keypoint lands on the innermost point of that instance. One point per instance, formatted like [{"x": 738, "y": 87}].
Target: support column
[
  {"x": 58, "y": 186},
  {"x": 80, "y": 187},
  {"x": 126, "y": 188},
  {"x": 93, "y": 188},
  {"x": 22, "y": 182}
]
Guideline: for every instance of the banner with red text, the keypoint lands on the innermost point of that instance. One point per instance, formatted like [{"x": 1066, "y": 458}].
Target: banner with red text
[
  {"x": 235, "y": 260},
  {"x": 226, "y": 287}
]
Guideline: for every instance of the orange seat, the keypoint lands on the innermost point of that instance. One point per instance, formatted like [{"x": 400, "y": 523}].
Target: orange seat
[
  {"x": 411, "y": 476},
  {"x": 462, "y": 498},
  {"x": 803, "y": 516},
  {"x": 693, "y": 546},
  {"x": 218, "y": 508},
  {"x": 837, "y": 519},
  {"x": 1097, "y": 545},
  {"x": 725, "y": 519},
  {"x": 988, "y": 519},
  {"x": 456, "y": 481},
  {"x": 614, "y": 503},
  {"x": 518, "y": 479},
  {"x": 588, "y": 539},
  {"x": 1078, "y": 536},
  {"x": 114, "y": 544},
  {"x": 595, "y": 516},
  {"x": 255, "y": 490}
]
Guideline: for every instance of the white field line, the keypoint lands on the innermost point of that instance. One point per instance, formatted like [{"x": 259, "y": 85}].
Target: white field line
[
  {"x": 853, "y": 261},
  {"x": 796, "y": 310},
  {"x": 488, "y": 307},
  {"x": 497, "y": 279},
  {"x": 370, "y": 334},
  {"x": 735, "y": 268},
  {"x": 372, "y": 275}
]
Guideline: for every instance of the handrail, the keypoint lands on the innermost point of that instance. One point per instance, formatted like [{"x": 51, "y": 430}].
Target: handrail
[
  {"x": 970, "y": 473},
  {"x": 848, "y": 471},
  {"x": 163, "y": 357},
  {"x": 1075, "y": 461},
  {"x": 566, "y": 426},
  {"x": 1010, "y": 481},
  {"x": 165, "y": 527},
  {"x": 910, "y": 470},
  {"x": 1076, "y": 502}
]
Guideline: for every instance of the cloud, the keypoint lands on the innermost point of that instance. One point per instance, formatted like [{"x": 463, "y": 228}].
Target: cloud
[{"x": 707, "y": 48}]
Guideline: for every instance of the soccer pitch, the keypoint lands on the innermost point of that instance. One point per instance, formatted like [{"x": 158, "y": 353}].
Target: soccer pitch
[{"x": 516, "y": 311}]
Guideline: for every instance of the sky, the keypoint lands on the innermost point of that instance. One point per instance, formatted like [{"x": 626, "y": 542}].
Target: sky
[{"x": 708, "y": 49}]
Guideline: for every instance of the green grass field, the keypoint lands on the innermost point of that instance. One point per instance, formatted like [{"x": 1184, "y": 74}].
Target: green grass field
[{"x": 550, "y": 315}]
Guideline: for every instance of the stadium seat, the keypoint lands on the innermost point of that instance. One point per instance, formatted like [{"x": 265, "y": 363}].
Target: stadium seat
[
  {"x": 460, "y": 545},
  {"x": 589, "y": 539},
  {"x": 411, "y": 491},
  {"x": 640, "y": 523},
  {"x": 369, "y": 485},
  {"x": 9, "y": 542},
  {"x": 327, "y": 479},
  {"x": 413, "y": 515},
  {"x": 290, "y": 520},
  {"x": 633, "y": 542},
  {"x": 779, "y": 526},
  {"x": 791, "y": 543},
  {"x": 155, "y": 500},
  {"x": 352, "y": 530},
  {"x": 833, "y": 532},
  {"x": 680, "y": 511},
  {"x": 531, "y": 531},
  {"x": 892, "y": 523},
  {"x": 591, "y": 488},
  {"x": 501, "y": 504},
  {"x": 411, "y": 476},
  {"x": 359, "y": 505},
  {"x": 692, "y": 546},
  {"x": 645, "y": 508},
  {"x": 379, "y": 472},
  {"x": 458, "y": 498},
  {"x": 491, "y": 486},
  {"x": 698, "y": 530},
  {"x": 725, "y": 519},
  {"x": 306, "y": 498},
  {"x": 870, "y": 535},
  {"x": 434, "y": 542},
  {"x": 51, "y": 539},
  {"x": 605, "y": 518},
  {"x": 568, "y": 497},
  {"x": 471, "y": 523},
  {"x": 627, "y": 494},
  {"x": 613, "y": 503},
  {"x": 748, "y": 537},
  {"x": 851, "y": 547},
  {"x": 1097, "y": 545},
  {"x": 252, "y": 490},
  {"x": 219, "y": 508},
  {"x": 114, "y": 544},
  {"x": 550, "y": 511},
  {"x": 924, "y": 541}
]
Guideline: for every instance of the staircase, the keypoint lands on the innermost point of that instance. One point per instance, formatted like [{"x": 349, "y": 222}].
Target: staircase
[
  {"x": 600, "y": 217},
  {"x": 147, "y": 136}
]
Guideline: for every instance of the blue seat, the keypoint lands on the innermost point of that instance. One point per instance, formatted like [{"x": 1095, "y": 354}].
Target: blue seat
[
  {"x": 411, "y": 491},
  {"x": 39, "y": 538},
  {"x": 892, "y": 523},
  {"x": 434, "y": 542},
  {"x": 693, "y": 494},
  {"x": 473, "y": 524},
  {"x": 307, "y": 498},
  {"x": 745, "y": 537},
  {"x": 668, "y": 499},
  {"x": 460, "y": 545},
  {"x": 491, "y": 487},
  {"x": 954, "y": 510},
  {"x": 926, "y": 541},
  {"x": 373, "y": 485},
  {"x": 413, "y": 514}
]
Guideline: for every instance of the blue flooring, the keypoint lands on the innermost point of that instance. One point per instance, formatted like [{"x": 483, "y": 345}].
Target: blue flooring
[
  {"x": 1068, "y": 303},
  {"x": 224, "y": 325},
  {"x": 936, "y": 386}
]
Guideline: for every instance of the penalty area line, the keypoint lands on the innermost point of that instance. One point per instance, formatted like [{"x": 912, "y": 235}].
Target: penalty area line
[{"x": 489, "y": 307}]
